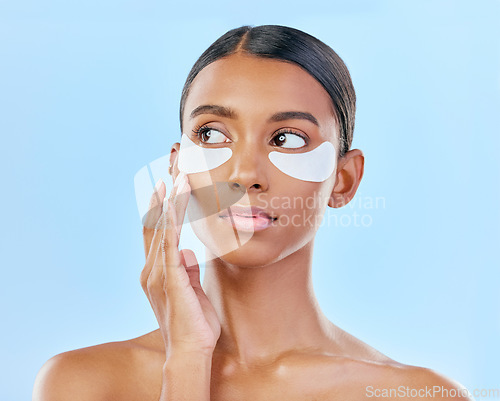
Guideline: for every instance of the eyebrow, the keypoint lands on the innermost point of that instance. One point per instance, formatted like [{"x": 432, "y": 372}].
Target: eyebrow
[{"x": 222, "y": 111}]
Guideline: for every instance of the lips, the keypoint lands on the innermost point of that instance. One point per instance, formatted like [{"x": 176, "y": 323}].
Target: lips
[
  {"x": 247, "y": 211},
  {"x": 247, "y": 218}
]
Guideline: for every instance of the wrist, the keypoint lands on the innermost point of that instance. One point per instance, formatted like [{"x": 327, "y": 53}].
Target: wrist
[
  {"x": 189, "y": 354},
  {"x": 186, "y": 376},
  {"x": 188, "y": 362}
]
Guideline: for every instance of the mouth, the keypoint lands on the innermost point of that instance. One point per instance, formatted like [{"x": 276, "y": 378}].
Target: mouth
[{"x": 247, "y": 218}]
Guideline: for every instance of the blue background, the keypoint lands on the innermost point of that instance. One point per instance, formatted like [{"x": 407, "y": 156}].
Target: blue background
[{"x": 89, "y": 94}]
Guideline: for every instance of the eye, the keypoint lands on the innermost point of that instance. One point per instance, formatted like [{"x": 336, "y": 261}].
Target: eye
[
  {"x": 289, "y": 140},
  {"x": 210, "y": 135}
]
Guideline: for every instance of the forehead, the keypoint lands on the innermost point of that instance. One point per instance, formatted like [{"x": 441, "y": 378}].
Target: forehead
[{"x": 256, "y": 86}]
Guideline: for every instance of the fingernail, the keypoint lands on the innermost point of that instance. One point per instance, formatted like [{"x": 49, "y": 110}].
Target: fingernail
[
  {"x": 190, "y": 259},
  {"x": 182, "y": 186},
  {"x": 158, "y": 184},
  {"x": 165, "y": 205},
  {"x": 179, "y": 178}
]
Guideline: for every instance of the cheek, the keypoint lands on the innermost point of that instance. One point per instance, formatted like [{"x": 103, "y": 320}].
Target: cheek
[
  {"x": 209, "y": 197},
  {"x": 220, "y": 239},
  {"x": 218, "y": 236},
  {"x": 304, "y": 218},
  {"x": 316, "y": 165},
  {"x": 300, "y": 208},
  {"x": 195, "y": 159}
]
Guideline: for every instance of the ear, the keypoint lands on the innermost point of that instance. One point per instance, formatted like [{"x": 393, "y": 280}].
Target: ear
[
  {"x": 350, "y": 169},
  {"x": 174, "y": 160}
]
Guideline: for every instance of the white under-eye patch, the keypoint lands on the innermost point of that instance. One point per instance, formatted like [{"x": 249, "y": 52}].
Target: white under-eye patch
[
  {"x": 195, "y": 159},
  {"x": 316, "y": 165}
]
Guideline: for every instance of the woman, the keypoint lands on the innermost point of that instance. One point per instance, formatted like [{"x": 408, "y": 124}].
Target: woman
[{"x": 269, "y": 112}]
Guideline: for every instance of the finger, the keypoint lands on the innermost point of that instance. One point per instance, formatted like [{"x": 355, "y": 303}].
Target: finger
[
  {"x": 173, "y": 270},
  {"x": 180, "y": 200},
  {"x": 155, "y": 203},
  {"x": 153, "y": 214},
  {"x": 190, "y": 263},
  {"x": 169, "y": 255},
  {"x": 159, "y": 224},
  {"x": 156, "y": 277},
  {"x": 152, "y": 253},
  {"x": 156, "y": 208},
  {"x": 178, "y": 180}
]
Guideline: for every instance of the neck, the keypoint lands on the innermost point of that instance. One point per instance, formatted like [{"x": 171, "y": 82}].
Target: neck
[{"x": 266, "y": 311}]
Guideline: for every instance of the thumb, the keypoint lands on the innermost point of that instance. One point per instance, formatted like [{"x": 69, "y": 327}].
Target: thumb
[
  {"x": 191, "y": 265},
  {"x": 155, "y": 205}
]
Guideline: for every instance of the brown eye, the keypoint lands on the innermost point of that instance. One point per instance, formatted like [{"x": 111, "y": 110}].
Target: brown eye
[
  {"x": 210, "y": 135},
  {"x": 280, "y": 139},
  {"x": 289, "y": 140}
]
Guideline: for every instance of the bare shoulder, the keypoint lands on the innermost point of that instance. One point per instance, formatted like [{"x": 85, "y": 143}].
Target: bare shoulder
[
  {"x": 415, "y": 382},
  {"x": 392, "y": 380},
  {"x": 99, "y": 372},
  {"x": 357, "y": 379},
  {"x": 362, "y": 372}
]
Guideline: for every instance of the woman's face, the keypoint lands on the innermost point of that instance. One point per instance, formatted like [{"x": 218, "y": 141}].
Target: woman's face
[{"x": 255, "y": 89}]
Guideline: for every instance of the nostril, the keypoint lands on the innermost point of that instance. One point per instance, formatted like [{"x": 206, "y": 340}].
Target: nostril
[{"x": 235, "y": 185}]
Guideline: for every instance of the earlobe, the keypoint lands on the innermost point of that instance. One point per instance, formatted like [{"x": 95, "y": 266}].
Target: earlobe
[
  {"x": 348, "y": 177},
  {"x": 174, "y": 156}
]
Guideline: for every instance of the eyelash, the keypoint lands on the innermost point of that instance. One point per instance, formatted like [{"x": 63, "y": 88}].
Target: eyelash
[
  {"x": 289, "y": 131},
  {"x": 200, "y": 129}
]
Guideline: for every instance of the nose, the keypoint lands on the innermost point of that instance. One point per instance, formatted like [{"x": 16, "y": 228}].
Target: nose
[{"x": 248, "y": 167}]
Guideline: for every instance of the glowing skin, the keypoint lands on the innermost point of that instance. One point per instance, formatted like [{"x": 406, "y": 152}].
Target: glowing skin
[
  {"x": 195, "y": 159},
  {"x": 274, "y": 340},
  {"x": 243, "y": 104},
  {"x": 316, "y": 165}
]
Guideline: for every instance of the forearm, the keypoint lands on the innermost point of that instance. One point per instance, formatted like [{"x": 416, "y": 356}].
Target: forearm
[{"x": 186, "y": 378}]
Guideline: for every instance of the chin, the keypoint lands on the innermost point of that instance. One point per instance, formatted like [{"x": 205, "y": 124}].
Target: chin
[
  {"x": 243, "y": 249},
  {"x": 258, "y": 249},
  {"x": 250, "y": 255}
]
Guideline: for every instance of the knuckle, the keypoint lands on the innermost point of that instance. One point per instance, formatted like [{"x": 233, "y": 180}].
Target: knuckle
[
  {"x": 151, "y": 284},
  {"x": 156, "y": 290},
  {"x": 176, "y": 201},
  {"x": 164, "y": 243},
  {"x": 143, "y": 278},
  {"x": 160, "y": 223}
]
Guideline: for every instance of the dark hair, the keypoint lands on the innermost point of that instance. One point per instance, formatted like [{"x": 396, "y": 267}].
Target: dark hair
[{"x": 291, "y": 45}]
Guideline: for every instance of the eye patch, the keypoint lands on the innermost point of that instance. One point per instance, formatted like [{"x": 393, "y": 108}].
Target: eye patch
[
  {"x": 316, "y": 165},
  {"x": 195, "y": 159}
]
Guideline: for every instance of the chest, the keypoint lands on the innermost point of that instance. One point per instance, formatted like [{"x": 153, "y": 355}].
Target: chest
[
  {"x": 304, "y": 382},
  {"x": 277, "y": 383}
]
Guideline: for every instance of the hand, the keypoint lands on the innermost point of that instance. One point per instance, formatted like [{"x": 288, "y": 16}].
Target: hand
[{"x": 171, "y": 279}]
